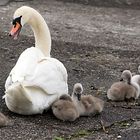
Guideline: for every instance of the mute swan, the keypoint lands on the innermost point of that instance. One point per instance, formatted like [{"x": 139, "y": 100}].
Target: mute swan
[
  {"x": 125, "y": 89},
  {"x": 37, "y": 80},
  {"x": 64, "y": 109},
  {"x": 86, "y": 104}
]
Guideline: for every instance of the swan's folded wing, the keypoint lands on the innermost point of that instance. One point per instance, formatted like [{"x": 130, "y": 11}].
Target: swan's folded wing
[
  {"x": 51, "y": 76},
  {"x": 48, "y": 74},
  {"x": 25, "y": 66}
]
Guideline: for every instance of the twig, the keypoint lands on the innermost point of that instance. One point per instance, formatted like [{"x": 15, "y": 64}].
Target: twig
[{"x": 102, "y": 124}]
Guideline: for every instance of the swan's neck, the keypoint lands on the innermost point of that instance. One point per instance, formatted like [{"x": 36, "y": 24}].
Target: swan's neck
[{"x": 41, "y": 33}]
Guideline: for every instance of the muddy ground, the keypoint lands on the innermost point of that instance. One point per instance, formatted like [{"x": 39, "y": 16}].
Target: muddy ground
[{"x": 95, "y": 44}]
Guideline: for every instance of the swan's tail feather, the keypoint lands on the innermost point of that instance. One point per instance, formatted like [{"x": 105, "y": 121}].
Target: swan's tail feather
[{"x": 17, "y": 99}]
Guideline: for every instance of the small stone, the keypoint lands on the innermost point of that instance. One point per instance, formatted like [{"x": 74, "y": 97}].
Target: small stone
[
  {"x": 137, "y": 124},
  {"x": 3, "y": 2},
  {"x": 118, "y": 137}
]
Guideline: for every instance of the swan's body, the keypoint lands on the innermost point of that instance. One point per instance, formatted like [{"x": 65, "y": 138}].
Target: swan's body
[
  {"x": 64, "y": 109},
  {"x": 86, "y": 104},
  {"x": 125, "y": 89},
  {"x": 37, "y": 80}
]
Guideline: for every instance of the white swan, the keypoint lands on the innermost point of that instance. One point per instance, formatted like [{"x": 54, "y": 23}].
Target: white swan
[{"x": 37, "y": 80}]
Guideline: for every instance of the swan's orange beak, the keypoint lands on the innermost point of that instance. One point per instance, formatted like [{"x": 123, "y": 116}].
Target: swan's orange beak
[{"x": 15, "y": 30}]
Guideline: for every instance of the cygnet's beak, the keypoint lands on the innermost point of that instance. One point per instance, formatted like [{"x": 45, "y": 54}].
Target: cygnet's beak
[
  {"x": 121, "y": 79},
  {"x": 79, "y": 96},
  {"x": 15, "y": 30}
]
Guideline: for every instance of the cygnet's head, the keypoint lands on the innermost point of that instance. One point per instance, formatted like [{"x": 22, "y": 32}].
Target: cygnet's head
[
  {"x": 126, "y": 76},
  {"x": 77, "y": 90}
]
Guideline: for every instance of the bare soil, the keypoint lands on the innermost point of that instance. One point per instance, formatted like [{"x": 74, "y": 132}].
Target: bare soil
[{"x": 95, "y": 44}]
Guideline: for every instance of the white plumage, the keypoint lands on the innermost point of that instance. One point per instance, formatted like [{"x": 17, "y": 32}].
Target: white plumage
[{"x": 36, "y": 80}]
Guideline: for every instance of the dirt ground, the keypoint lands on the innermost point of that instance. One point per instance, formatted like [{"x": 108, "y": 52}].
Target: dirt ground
[{"x": 95, "y": 44}]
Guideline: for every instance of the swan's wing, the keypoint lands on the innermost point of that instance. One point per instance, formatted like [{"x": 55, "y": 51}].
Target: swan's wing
[
  {"x": 60, "y": 68},
  {"x": 51, "y": 76},
  {"x": 8, "y": 82},
  {"x": 34, "y": 70},
  {"x": 25, "y": 66}
]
